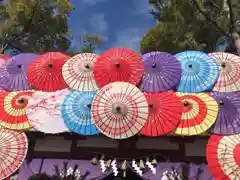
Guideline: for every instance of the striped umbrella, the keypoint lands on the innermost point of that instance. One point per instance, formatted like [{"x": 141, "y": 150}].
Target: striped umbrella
[
  {"x": 78, "y": 73},
  {"x": 119, "y": 110},
  {"x": 199, "y": 113},
  {"x": 199, "y": 72},
  {"x": 229, "y": 78},
  {"x": 13, "y": 113},
  {"x": 13, "y": 150},
  {"x": 76, "y": 112}
]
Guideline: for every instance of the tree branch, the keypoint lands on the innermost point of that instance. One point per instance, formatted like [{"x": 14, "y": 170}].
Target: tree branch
[{"x": 209, "y": 18}]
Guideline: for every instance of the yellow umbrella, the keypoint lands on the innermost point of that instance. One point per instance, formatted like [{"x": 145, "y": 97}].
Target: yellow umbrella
[{"x": 199, "y": 113}]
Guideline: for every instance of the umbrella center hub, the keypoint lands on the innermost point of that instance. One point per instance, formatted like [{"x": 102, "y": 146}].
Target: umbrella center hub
[
  {"x": 21, "y": 101},
  {"x": 89, "y": 105},
  {"x": 221, "y": 103},
  {"x": 185, "y": 103},
  {"x": 19, "y": 66},
  {"x": 86, "y": 67},
  {"x": 223, "y": 65},
  {"x": 50, "y": 65},
  {"x": 150, "y": 105},
  {"x": 154, "y": 65},
  {"x": 119, "y": 109},
  {"x": 117, "y": 65},
  {"x": 190, "y": 66}
]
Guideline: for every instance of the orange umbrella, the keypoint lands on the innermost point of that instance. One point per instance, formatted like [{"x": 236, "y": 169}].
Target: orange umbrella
[
  {"x": 13, "y": 109},
  {"x": 199, "y": 113}
]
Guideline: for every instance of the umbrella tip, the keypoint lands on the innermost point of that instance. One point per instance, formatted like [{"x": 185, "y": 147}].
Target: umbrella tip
[
  {"x": 154, "y": 65},
  {"x": 223, "y": 65},
  {"x": 50, "y": 65},
  {"x": 21, "y": 101},
  {"x": 221, "y": 103},
  {"x": 150, "y": 105},
  {"x": 19, "y": 66},
  {"x": 185, "y": 103},
  {"x": 190, "y": 65},
  {"x": 118, "y": 65},
  {"x": 87, "y": 66}
]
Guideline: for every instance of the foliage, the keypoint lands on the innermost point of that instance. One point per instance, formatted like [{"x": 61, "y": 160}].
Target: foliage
[
  {"x": 35, "y": 25},
  {"x": 89, "y": 43},
  {"x": 185, "y": 25}
]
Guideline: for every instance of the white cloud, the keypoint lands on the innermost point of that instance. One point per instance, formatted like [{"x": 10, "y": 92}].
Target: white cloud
[
  {"x": 98, "y": 23},
  {"x": 93, "y": 2},
  {"x": 142, "y": 7},
  {"x": 129, "y": 38}
]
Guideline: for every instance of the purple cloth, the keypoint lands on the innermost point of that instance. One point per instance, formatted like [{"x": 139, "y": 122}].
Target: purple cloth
[
  {"x": 28, "y": 169},
  {"x": 162, "y": 72},
  {"x": 14, "y": 72},
  {"x": 228, "y": 120}
]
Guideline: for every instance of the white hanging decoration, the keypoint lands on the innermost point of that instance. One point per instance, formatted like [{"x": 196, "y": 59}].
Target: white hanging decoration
[
  {"x": 77, "y": 173},
  {"x": 151, "y": 167},
  {"x": 137, "y": 168},
  {"x": 102, "y": 165},
  {"x": 114, "y": 167}
]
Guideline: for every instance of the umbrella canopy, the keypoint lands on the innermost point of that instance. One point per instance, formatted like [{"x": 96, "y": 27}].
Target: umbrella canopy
[
  {"x": 229, "y": 78},
  {"x": 228, "y": 120},
  {"x": 199, "y": 113},
  {"x": 13, "y": 150},
  {"x": 44, "y": 110},
  {"x": 13, "y": 110},
  {"x": 223, "y": 156},
  {"x": 76, "y": 113},
  {"x": 78, "y": 72},
  {"x": 4, "y": 58},
  {"x": 164, "y": 113},
  {"x": 162, "y": 71},
  {"x": 118, "y": 64},
  {"x": 199, "y": 71},
  {"x": 45, "y": 73},
  {"x": 119, "y": 110},
  {"x": 13, "y": 73}
]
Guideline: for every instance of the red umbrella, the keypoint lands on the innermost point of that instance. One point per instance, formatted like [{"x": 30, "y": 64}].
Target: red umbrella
[
  {"x": 118, "y": 64},
  {"x": 223, "y": 157},
  {"x": 13, "y": 109},
  {"x": 45, "y": 73},
  {"x": 164, "y": 113}
]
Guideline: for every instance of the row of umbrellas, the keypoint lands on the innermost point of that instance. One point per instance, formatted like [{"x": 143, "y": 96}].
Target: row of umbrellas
[
  {"x": 120, "y": 110},
  {"x": 188, "y": 71}
]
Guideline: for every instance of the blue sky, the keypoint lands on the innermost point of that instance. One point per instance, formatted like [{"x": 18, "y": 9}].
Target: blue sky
[{"x": 121, "y": 23}]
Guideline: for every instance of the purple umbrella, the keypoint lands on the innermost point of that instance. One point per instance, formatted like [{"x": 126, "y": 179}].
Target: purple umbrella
[
  {"x": 13, "y": 73},
  {"x": 162, "y": 71},
  {"x": 228, "y": 121}
]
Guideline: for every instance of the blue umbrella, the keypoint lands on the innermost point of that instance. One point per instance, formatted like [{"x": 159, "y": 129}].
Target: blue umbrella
[
  {"x": 76, "y": 112},
  {"x": 199, "y": 71}
]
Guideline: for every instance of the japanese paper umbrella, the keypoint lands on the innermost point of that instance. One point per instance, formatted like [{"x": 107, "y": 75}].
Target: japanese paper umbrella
[
  {"x": 223, "y": 156},
  {"x": 119, "y": 110},
  {"x": 164, "y": 113},
  {"x": 76, "y": 112},
  {"x": 229, "y": 78},
  {"x": 44, "y": 110},
  {"x": 13, "y": 150},
  {"x": 199, "y": 113},
  {"x": 13, "y": 72},
  {"x": 118, "y": 64},
  {"x": 78, "y": 73},
  {"x": 228, "y": 120},
  {"x": 4, "y": 58},
  {"x": 45, "y": 73},
  {"x": 162, "y": 71},
  {"x": 13, "y": 110},
  {"x": 199, "y": 71}
]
